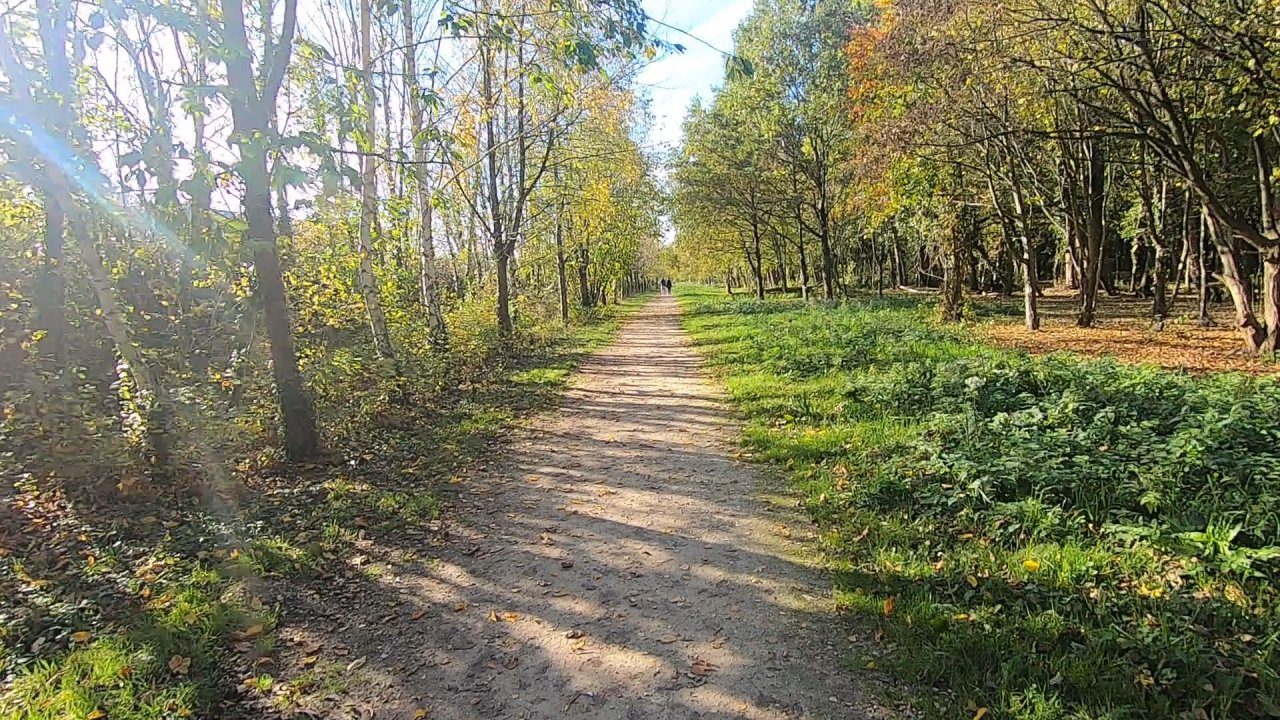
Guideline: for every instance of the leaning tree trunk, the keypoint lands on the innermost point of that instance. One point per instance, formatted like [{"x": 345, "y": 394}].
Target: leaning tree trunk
[
  {"x": 147, "y": 397},
  {"x": 1251, "y": 331}
]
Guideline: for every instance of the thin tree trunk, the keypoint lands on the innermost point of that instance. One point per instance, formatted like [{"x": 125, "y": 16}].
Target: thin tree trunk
[
  {"x": 428, "y": 272},
  {"x": 562, "y": 282},
  {"x": 1094, "y": 204},
  {"x": 757, "y": 266},
  {"x": 1198, "y": 236},
  {"x": 365, "y": 277}
]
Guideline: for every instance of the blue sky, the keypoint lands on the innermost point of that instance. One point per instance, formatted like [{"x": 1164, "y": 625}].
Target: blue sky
[{"x": 673, "y": 82}]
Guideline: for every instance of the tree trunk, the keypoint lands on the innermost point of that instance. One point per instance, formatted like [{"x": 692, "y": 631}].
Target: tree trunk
[
  {"x": 952, "y": 307},
  {"x": 1094, "y": 207},
  {"x": 250, "y": 111},
  {"x": 502, "y": 269},
  {"x": 1271, "y": 299},
  {"x": 1160, "y": 275},
  {"x": 828, "y": 258},
  {"x": 804, "y": 259},
  {"x": 1251, "y": 332},
  {"x": 562, "y": 282},
  {"x": 428, "y": 273},
  {"x": 1202, "y": 270},
  {"x": 584, "y": 278},
  {"x": 757, "y": 267},
  {"x": 365, "y": 277}
]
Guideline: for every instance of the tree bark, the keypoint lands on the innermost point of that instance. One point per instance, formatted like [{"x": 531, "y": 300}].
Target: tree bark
[
  {"x": 365, "y": 276},
  {"x": 1093, "y": 205},
  {"x": 562, "y": 282},
  {"x": 251, "y": 109},
  {"x": 428, "y": 273},
  {"x": 1251, "y": 331},
  {"x": 758, "y": 263}
]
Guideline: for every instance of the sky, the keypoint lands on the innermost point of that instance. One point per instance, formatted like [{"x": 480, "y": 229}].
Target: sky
[{"x": 674, "y": 81}]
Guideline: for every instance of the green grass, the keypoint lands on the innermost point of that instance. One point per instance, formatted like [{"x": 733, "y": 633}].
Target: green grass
[
  {"x": 139, "y": 620},
  {"x": 1042, "y": 537}
]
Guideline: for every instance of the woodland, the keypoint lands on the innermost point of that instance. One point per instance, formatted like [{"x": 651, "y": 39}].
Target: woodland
[
  {"x": 1031, "y": 534},
  {"x": 255, "y": 254},
  {"x": 281, "y": 279},
  {"x": 996, "y": 147}
]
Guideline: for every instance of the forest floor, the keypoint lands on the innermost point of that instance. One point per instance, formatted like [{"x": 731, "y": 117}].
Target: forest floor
[
  {"x": 1124, "y": 331},
  {"x": 618, "y": 562}
]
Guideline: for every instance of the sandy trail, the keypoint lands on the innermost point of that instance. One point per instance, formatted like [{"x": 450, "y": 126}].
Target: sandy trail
[{"x": 617, "y": 565}]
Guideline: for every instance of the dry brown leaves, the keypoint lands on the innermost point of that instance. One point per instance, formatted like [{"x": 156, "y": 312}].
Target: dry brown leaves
[{"x": 1123, "y": 331}]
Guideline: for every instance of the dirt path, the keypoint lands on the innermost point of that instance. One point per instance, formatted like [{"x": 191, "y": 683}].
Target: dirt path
[{"x": 616, "y": 566}]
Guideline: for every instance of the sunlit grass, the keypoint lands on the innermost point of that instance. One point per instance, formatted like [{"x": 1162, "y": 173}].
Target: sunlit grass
[{"x": 1033, "y": 538}]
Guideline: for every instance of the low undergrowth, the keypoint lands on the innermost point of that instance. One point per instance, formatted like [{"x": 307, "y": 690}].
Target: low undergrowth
[
  {"x": 1037, "y": 538},
  {"x": 121, "y": 598}
]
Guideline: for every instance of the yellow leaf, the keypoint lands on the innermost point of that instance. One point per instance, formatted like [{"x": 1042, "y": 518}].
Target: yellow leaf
[
  {"x": 83, "y": 636},
  {"x": 1031, "y": 564},
  {"x": 982, "y": 712},
  {"x": 419, "y": 714},
  {"x": 973, "y": 581},
  {"x": 96, "y": 714},
  {"x": 251, "y": 632},
  {"x": 888, "y": 606}
]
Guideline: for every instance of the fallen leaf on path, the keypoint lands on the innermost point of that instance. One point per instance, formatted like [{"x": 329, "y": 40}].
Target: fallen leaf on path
[
  {"x": 669, "y": 638},
  {"x": 250, "y": 632},
  {"x": 459, "y": 607},
  {"x": 510, "y": 617},
  {"x": 357, "y": 663},
  {"x": 419, "y": 615}
]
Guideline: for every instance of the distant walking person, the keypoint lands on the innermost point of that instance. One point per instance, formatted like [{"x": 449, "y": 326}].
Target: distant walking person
[{"x": 665, "y": 284}]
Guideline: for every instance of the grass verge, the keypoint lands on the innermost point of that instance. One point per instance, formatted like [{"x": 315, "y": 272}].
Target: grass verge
[{"x": 1036, "y": 538}]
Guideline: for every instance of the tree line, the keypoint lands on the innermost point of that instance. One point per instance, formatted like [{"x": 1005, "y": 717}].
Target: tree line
[
  {"x": 204, "y": 204},
  {"x": 993, "y": 146}
]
